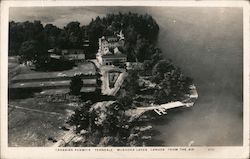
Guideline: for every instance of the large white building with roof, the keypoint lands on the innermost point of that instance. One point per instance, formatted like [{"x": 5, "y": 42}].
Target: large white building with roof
[{"x": 109, "y": 53}]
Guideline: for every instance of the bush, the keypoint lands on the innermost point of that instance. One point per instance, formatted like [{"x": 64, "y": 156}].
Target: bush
[
  {"x": 81, "y": 117},
  {"x": 125, "y": 101},
  {"x": 76, "y": 84}
]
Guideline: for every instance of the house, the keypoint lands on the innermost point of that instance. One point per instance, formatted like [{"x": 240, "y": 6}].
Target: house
[
  {"x": 112, "y": 58},
  {"x": 111, "y": 42},
  {"x": 109, "y": 53},
  {"x": 76, "y": 55}
]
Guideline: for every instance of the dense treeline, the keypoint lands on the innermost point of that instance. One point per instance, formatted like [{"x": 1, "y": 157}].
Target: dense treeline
[
  {"x": 27, "y": 38},
  {"x": 31, "y": 40},
  {"x": 140, "y": 33},
  {"x": 171, "y": 83}
]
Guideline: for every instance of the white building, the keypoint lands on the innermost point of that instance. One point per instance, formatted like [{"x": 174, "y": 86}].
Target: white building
[
  {"x": 109, "y": 58},
  {"x": 111, "y": 42},
  {"x": 108, "y": 53}
]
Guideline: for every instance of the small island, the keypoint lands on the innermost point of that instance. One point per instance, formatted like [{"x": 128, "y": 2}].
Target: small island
[{"x": 109, "y": 74}]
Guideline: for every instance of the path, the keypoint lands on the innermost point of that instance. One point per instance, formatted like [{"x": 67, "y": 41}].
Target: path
[
  {"x": 106, "y": 90},
  {"x": 34, "y": 110}
]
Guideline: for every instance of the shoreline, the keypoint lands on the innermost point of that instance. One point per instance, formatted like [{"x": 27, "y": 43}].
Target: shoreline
[{"x": 70, "y": 136}]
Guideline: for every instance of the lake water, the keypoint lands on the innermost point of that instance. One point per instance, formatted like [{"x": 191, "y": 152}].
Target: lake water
[{"x": 207, "y": 45}]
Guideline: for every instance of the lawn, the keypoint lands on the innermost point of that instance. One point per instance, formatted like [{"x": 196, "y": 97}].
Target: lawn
[
  {"x": 28, "y": 129},
  {"x": 86, "y": 68},
  {"x": 34, "y": 121}
]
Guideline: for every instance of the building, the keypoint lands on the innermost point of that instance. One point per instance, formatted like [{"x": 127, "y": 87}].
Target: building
[
  {"x": 109, "y": 53},
  {"x": 110, "y": 42},
  {"x": 111, "y": 58},
  {"x": 73, "y": 54},
  {"x": 76, "y": 55}
]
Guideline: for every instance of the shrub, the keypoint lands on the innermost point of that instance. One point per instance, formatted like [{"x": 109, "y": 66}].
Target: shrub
[{"x": 76, "y": 84}]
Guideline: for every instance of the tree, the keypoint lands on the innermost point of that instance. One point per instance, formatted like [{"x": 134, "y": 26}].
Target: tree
[
  {"x": 63, "y": 39},
  {"x": 74, "y": 33},
  {"x": 38, "y": 33},
  {"x": 131, "y": 84},
  {"x": 133, "y": 26},
  {"x": 125, "y": 101},
  {"x": 16, "y": 37},
  {"x": 76, "y": 84},
  {"x": 52, "y": 32},
  {"x": 160, "y": 69},
  {"x": 163, "y": 94},
  {"x": 81, "y": 117},
  {"x": 172, "y": 84},
  {"x": 31, "y": 51},
  {"x": 147, "y": 67},
  {"x": 26, "y": 31}
]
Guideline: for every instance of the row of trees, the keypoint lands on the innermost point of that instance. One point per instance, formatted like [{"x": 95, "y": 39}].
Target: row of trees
[
  {"x": 31, "y": 40},
  {"x": 42, "y": 38}
]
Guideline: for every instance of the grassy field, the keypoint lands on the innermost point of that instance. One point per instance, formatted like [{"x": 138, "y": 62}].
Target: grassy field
[
  {"x": 31, "y": 122},
  {"x": 84, "y": 68}
]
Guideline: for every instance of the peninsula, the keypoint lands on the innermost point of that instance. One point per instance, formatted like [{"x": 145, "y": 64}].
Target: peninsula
[{"x": 107, "y": 79}]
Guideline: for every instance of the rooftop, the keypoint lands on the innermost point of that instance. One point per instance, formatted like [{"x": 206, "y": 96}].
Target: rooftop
[{"x": 113, "y": 55}]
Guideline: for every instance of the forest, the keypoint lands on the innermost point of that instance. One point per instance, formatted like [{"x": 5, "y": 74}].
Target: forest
[{"x": 31, "y": 40}]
